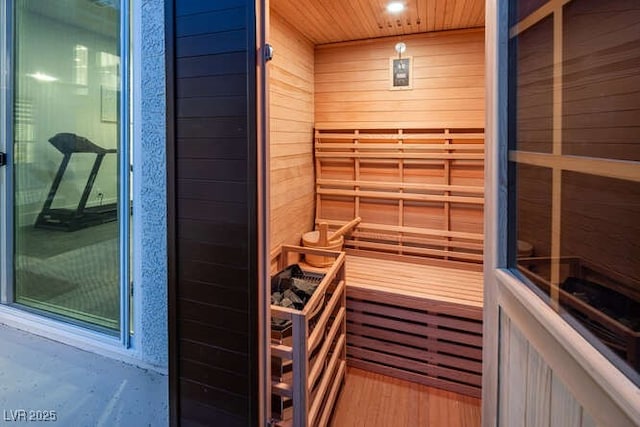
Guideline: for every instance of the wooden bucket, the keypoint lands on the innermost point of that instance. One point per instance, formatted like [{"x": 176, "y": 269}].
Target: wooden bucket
[
  {"x": 322, "y": 239},
  {"x": 319, "y": 260}
]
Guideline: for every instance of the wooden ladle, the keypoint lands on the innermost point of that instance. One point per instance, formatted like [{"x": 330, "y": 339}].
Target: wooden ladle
[
  {"x": 321, "y": 238},
  {"x": 343, "y": 230}
]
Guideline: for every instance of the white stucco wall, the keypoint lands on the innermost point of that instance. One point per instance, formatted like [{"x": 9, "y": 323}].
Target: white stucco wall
[{"x": 149, "y": 243}]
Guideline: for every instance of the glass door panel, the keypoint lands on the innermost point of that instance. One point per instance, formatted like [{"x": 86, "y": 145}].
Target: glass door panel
[{"x": 66, "y": 147}]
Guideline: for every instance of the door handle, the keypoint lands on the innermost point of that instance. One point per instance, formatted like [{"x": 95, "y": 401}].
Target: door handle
[{"x": 3, "y": 159}]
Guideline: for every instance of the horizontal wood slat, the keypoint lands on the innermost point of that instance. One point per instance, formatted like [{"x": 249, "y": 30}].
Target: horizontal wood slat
[
  {"x": 418, "y": 316},
  {"x": 402, "y": 196},
  {"x": 361, "y": 244},
  {"x": 429, "y": 187},
  {"x": 410, "y": 230},
  {"x": 415, "y": 341},
  {"x": 327, "y": 135},
  {"x": 401, "y": 185},
  {"x": 416, "y": 329},
  {"x": 386, "y": 155},
  {"x": 398, "y": 349}
]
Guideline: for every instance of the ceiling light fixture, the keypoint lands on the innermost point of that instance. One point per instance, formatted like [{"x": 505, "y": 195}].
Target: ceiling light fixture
[{"x": 395, "y": 7}]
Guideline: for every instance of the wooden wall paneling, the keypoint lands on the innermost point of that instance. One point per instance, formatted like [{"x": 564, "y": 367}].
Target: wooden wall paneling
[
  {"x": 212, "y": 220},
  {"x": 587, "y": 420},
  {"x": 538, "y": 391},
  {"x": 513, "y": 375},
  {"x": 352, "y": 83},
  {"x": 504, "y": 325},
  {"x": 291, "y": 139},
  {"x": 565, "y": 410}
]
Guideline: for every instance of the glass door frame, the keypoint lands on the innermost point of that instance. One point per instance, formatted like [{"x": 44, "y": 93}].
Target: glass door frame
[
  {"x": 6, "y": 146},
  {"x": 7, "y": 247}
]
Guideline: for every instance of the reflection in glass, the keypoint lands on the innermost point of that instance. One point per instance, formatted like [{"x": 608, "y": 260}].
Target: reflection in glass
[
  {"x": 66, "y": 157},
  {"x": 532, "y": 96},
  {"x": 574, "y": 199},
  {"x": 533, "y": 218}
]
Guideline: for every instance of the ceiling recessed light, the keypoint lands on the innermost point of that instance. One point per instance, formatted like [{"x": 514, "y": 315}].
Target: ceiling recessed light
[
  {"x": 395, "y": 7},
  {"x": 42, "y": 77}
]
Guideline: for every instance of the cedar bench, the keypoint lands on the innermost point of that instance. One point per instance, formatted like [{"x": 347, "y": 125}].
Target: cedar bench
[{"x": 416, "y": 322}]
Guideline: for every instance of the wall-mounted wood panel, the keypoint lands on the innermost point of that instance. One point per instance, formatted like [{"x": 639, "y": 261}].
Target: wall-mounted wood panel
[
  {"x": 291, "y": 136},
  {"x": 353, "y": 83},
  {"x": 212, "y": 239}
]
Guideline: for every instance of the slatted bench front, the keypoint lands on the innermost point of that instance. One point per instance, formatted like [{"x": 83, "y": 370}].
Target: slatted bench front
[{"x": 416, "y": 322}]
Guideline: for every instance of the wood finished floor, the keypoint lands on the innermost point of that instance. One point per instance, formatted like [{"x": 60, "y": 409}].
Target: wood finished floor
[{"x": 373, "y": 400}]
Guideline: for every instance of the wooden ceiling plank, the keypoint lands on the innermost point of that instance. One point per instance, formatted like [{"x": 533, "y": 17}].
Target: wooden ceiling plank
[
  {"x": 344, "y": 18},
  {"x": 441, "y": 14},
  {"x": 458, "y": 13},
  {"x": 476, "y": 13},
  {"x": 448, "y": 13},
  {"x": 431, "y": 14},
  {"x": 479, "y": 22},
  {"x": 309, "y": 22},
  {"x": 371, "y": 14}
]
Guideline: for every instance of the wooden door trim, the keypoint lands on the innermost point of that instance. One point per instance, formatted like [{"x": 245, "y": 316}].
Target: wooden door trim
[
  {"x": 172, "y": 277},
  {"x": 262, "y": 214},
  {"x": 495, "y": 250}
]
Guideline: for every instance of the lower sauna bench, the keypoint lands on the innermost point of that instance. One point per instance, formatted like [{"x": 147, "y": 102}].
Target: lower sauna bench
[{"x": 415, "y": 322}]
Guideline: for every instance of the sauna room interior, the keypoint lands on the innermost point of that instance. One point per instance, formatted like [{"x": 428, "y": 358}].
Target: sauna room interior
[
  {"x": 377, "y": 115},
  {"x": 354, "y": 135}
]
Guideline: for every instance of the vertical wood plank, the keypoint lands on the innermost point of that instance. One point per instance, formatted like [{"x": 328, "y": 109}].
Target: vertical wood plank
[
  {"x": 516, "y": 378},
  {"x": 505, "y": 345},
  {"x": 538, "y": 394},
  {"x": 447, "y": 181},
  {"x": 565, "y": 410},
  {"x": 356, "y": 169},
  {"x": 401, "y": 179},
  {"x": 587, "y": 421},
  {"x": 318, "y": 172},
  {"x": 300, "y": 369}
]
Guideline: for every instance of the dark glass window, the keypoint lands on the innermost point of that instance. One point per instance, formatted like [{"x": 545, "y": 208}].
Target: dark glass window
[{"x": 575, "y": 167}]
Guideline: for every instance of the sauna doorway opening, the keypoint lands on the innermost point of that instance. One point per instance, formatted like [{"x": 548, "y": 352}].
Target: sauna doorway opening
[{"x": 405, "y": 301}]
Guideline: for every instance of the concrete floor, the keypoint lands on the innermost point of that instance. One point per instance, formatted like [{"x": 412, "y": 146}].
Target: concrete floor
[{"x": 84, "y": 389}]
